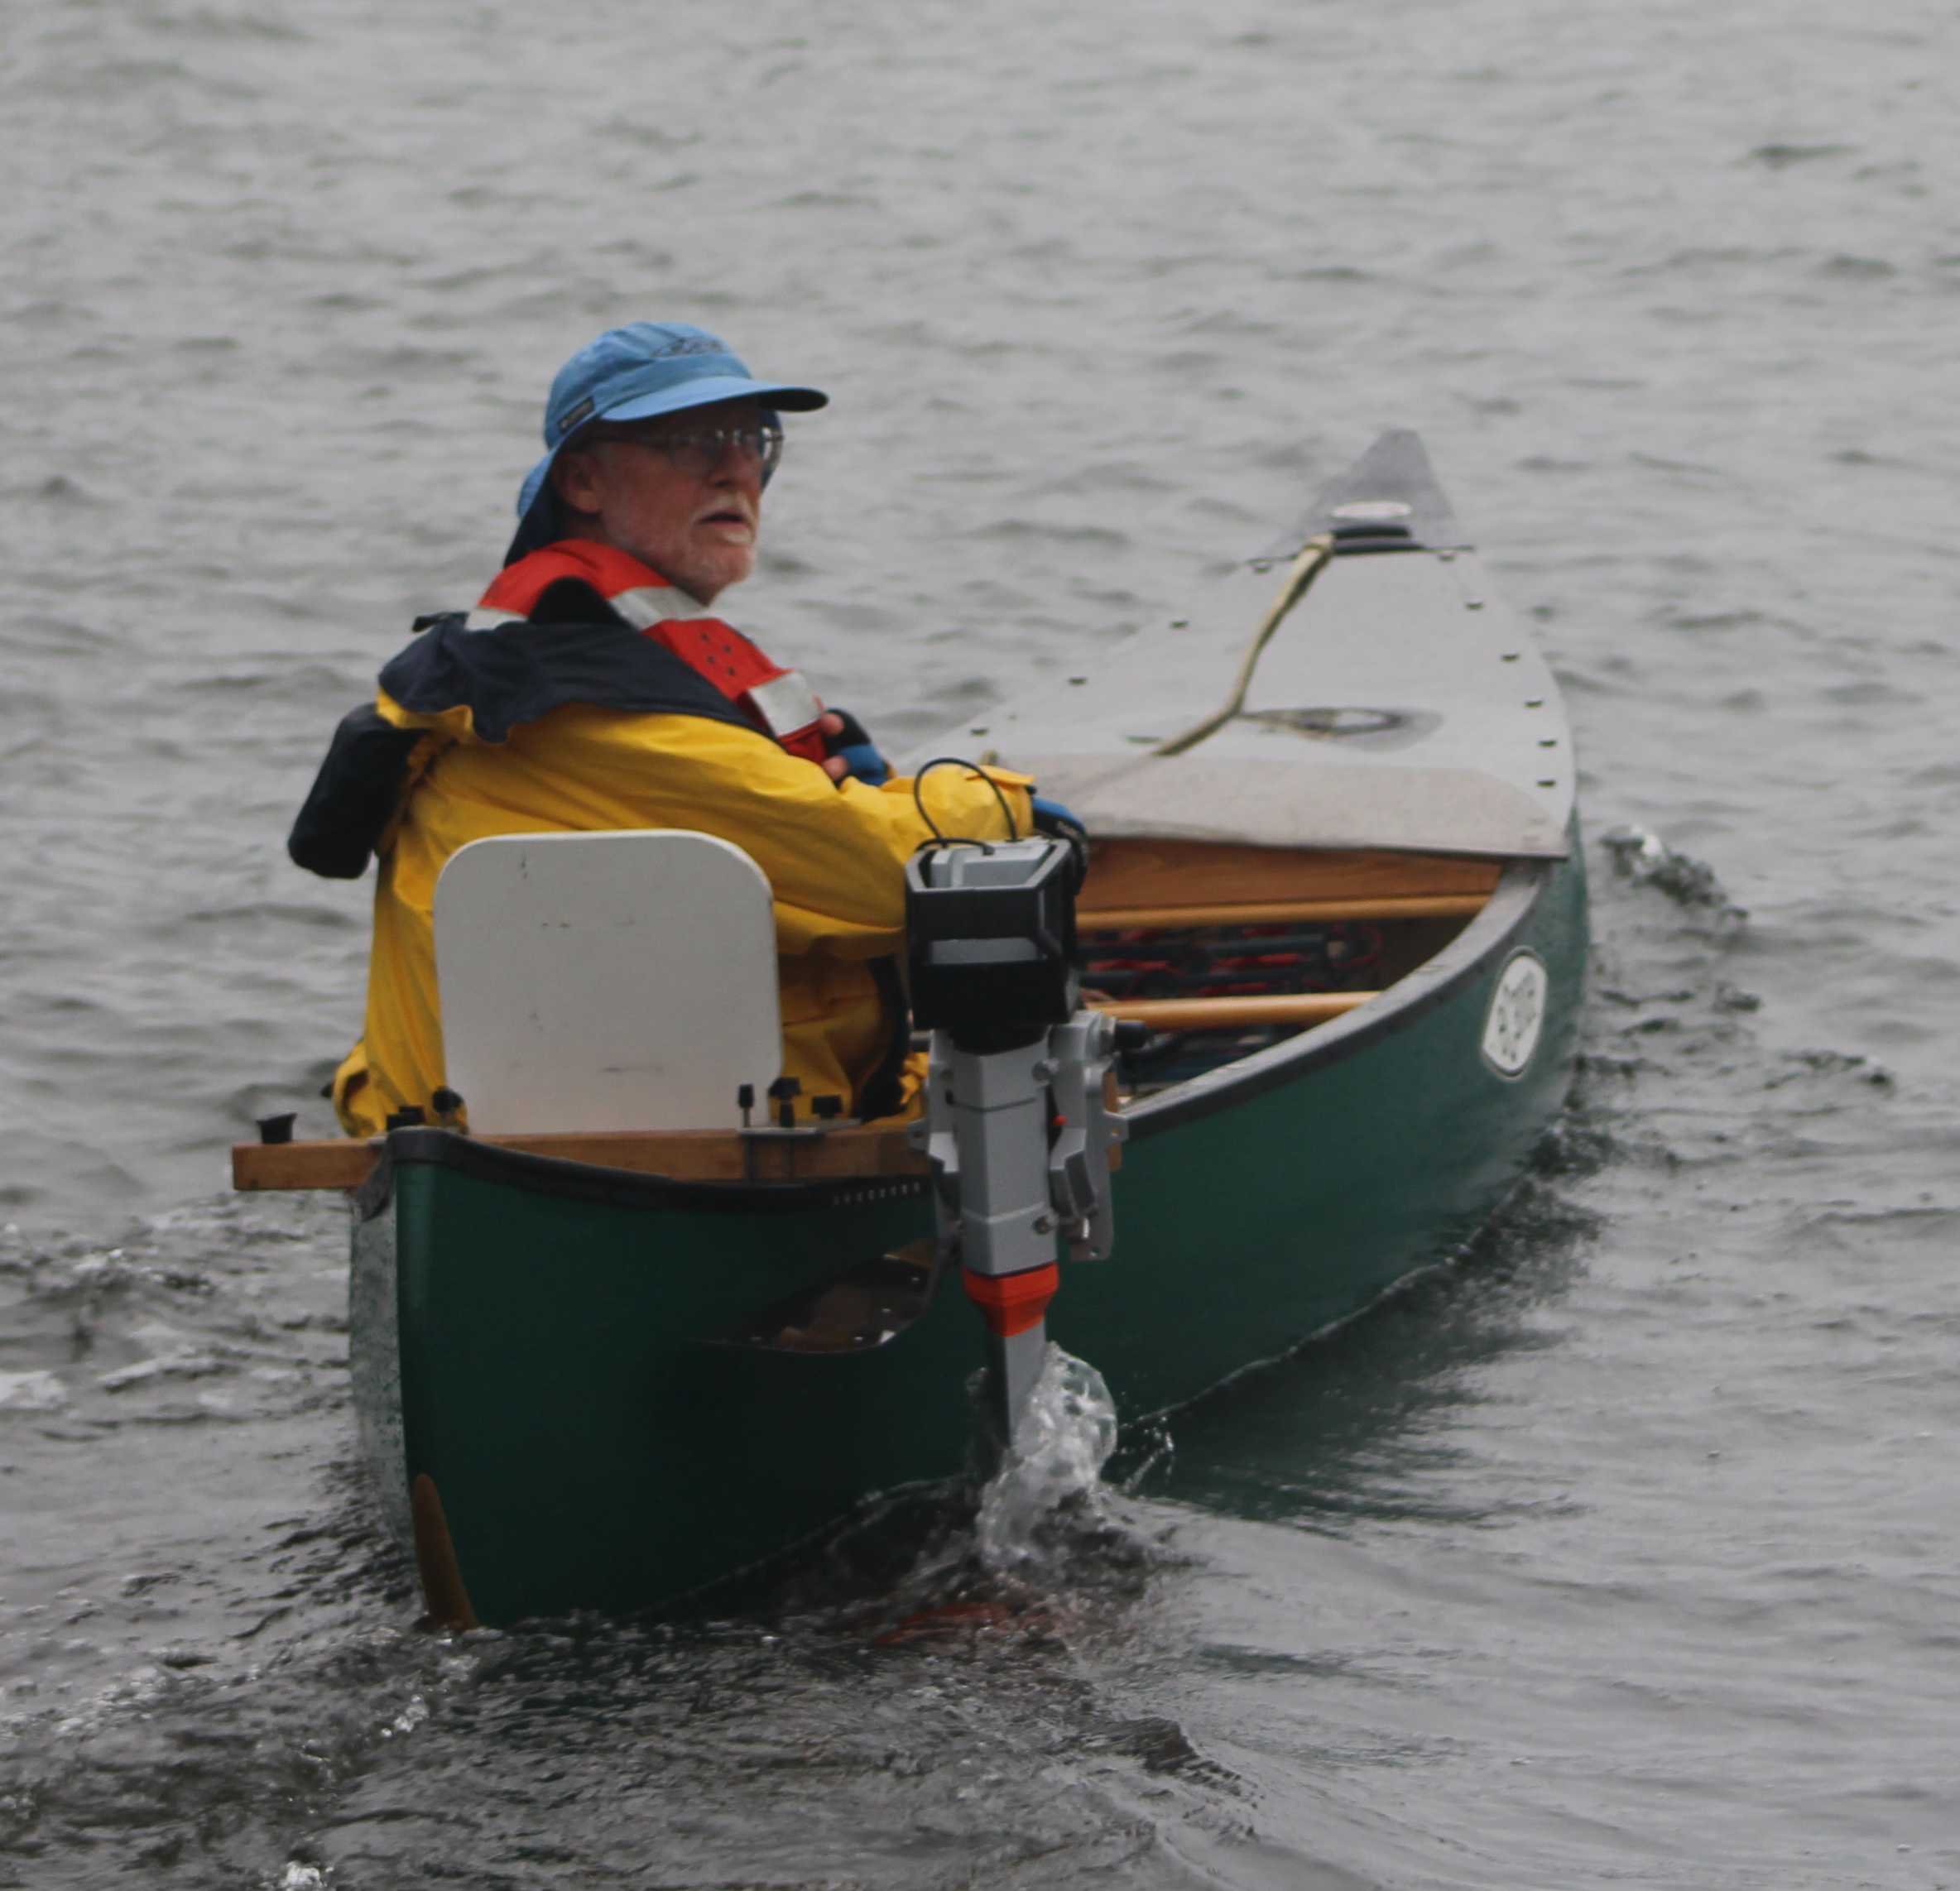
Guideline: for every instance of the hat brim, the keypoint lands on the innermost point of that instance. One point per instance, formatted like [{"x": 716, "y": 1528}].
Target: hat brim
[
  {"x": 709, "y": 391},
  {"x": 537, "y": 504}
]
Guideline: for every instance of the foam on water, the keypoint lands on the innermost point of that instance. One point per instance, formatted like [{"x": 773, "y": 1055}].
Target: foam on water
[{"x": 1642, "y": 856}]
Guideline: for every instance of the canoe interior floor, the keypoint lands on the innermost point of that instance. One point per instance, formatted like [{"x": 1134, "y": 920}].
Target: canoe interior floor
[{"x": 1246, "y": 962}]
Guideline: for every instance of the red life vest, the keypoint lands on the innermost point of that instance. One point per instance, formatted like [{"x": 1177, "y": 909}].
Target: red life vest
[{"x": 776, "y": 700}]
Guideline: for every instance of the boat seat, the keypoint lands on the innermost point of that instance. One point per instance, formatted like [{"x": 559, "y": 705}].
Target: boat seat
[{"x": 619, "y": 981}]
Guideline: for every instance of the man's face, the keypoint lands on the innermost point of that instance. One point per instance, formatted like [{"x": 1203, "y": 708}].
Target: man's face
[{"x": 666, "y": 491}]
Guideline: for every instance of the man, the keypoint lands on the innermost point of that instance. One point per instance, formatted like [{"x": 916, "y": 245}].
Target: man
[{"x": 592, "y": 688}]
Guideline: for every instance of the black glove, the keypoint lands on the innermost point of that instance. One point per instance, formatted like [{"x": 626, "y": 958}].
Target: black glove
[
  {"x": 1052, "y": 818},
  {"x": 858, "y": 752}
]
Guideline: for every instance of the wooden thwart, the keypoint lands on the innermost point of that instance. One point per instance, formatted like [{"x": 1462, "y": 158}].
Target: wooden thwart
[
  {"x": 1195, "y": 879},
  {"x": 1232, "y": 1014},
  {"x": 1276, "y": 912}
]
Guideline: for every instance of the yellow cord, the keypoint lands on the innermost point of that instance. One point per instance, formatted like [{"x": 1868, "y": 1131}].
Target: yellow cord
[{"x": 1313, "y": 555}]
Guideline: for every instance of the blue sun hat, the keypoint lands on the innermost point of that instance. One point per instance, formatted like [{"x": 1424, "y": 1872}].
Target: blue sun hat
[{"x": 632, "y": 374}]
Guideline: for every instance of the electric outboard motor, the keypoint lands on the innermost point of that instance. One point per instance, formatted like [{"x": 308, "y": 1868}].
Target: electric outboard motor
[
  {"x": 991, "y": 932},
  {"x": 1019, "y": 1126}
]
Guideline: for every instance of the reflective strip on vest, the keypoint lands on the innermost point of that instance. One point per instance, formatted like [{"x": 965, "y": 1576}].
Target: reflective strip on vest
[
  {"x": 779, "y": 701},
  {"x": 647, "y": 605},
  {"x": 786, "y": 703}
]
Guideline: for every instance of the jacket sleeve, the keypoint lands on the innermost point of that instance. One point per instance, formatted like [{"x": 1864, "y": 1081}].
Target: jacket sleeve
[
  {"x": 368, "y": 766},
  {"x": 834, "y": 852}
]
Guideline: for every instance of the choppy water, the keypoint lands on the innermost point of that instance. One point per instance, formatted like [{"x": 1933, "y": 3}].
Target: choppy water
[{"x": 1624, "y": 1552}]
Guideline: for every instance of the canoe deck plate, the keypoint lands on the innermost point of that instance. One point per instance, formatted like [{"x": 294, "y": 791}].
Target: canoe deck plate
[{"x": 1401, "y": 705}]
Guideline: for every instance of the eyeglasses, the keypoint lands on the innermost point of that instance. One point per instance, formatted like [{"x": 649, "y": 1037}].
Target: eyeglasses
[{"x": 699, "y": 451}]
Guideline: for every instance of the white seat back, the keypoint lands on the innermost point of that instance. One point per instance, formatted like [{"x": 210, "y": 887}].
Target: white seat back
[{"x": 606, "y": 981}]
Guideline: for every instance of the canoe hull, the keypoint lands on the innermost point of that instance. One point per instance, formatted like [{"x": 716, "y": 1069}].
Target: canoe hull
[{"x": 606, "y": 1448}]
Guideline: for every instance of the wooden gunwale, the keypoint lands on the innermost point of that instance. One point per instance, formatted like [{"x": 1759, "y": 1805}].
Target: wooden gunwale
[{"x": 855, "y": 1151}]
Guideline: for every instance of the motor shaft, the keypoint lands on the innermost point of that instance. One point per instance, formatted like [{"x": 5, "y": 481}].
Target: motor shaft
[{"x": 988, "y": 1144}]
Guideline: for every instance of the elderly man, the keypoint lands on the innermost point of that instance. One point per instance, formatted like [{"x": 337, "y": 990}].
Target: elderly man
[{"x": 592, "y": 688}]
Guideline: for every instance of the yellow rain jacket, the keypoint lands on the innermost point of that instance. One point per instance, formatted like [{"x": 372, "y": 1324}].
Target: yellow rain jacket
[{"x": 433, "y": 774}]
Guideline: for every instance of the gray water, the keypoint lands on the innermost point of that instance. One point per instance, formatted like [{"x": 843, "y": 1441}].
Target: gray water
[{"x": 1622, "y": 1552}]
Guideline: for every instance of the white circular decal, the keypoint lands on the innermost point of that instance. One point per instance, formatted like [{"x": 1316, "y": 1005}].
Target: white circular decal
[{"x": 1517, "y": 1018}]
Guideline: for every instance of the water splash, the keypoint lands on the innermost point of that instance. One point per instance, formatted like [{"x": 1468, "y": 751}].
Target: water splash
[
  {"x": 1055, "y": 1469},
  {"x": 1644, "y": 857}
]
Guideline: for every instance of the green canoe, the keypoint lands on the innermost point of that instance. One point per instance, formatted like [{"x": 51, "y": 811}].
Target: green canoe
[{"x": 616, "y": 1374}]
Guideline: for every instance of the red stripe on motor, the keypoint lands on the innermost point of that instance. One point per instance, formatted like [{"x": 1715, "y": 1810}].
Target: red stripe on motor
[{"x": 1011, "y": 1302}]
